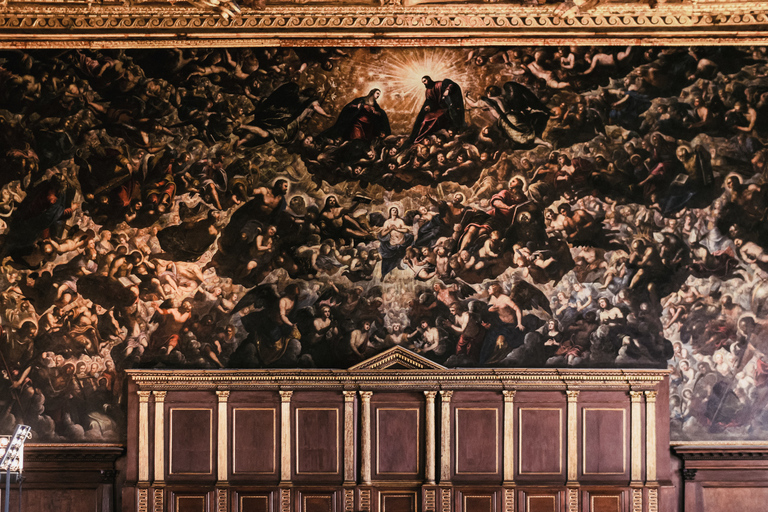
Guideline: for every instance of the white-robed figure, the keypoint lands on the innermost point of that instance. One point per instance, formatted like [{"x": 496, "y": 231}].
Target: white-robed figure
[{"x": 394, "y": 238}]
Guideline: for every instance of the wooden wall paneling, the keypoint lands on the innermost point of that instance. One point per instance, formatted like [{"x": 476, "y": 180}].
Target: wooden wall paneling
[
  {"x": 478, "y": 437},
  {"x": 190, "y": 502},
  {"x": 604, "y": 440},
  {"x": 724, "y": 478},
  {"x": 190, "y": 437},
  {"x": 255, "y": 442},
  {"x": 320, "y": 500},
  {"x": 67, "y": 478},
  {"x": 663, "y": 460},
  {"x": 540, "y": 500},
  {"x": 477, "y": 500},
  {"x": 317, "y": 438},
  {"x": 190, "y": 441},
  {"x": 398, "y": 426},
  {"x": 605, "y": 503},
  {"x": 723, "y": 496},
  {"x": 398, "y": 501},
  {"x": 253, "y": 502},
  {"x": 541, "y": 433},
  {"x": 287, "y": 451}
]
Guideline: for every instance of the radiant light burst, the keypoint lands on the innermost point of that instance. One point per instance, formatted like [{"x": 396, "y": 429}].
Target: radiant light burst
[{"x": 398, "y": 75}]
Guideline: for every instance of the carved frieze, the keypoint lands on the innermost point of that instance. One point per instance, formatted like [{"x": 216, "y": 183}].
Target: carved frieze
[{"x": 391, "y": 22}]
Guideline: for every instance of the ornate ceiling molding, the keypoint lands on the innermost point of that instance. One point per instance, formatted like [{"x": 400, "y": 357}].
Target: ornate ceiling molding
[{"x": 62, "y": 24}]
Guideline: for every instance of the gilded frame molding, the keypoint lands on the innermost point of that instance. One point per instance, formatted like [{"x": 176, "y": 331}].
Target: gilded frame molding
[{"x": 70, "y": 24}]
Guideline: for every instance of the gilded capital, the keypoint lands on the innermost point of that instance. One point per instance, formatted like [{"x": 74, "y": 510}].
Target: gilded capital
[
  {"x": 446, "y": 395},
  {"x": 349, "y": 396},
  {"x": 365, "y": 396},
  {"x": 573, "y": 395},
  {"x": 509, "y": 395},
  {"x": 159, "y": 395},
  {"x": 430, "y": 395},
  {"x": 285, "y": 396},
  {"x": 144, "y": 396},
  {"x": 636, "y": 396},
  {"x": 650, "y": 396},
  {"x": 223, "y": 395}
]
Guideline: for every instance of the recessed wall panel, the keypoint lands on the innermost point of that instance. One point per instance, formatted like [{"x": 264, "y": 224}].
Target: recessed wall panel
[
  {"x": 259, "y": 503},
  {"x": 540, "y": 440},
  {"x": 604, "y": 441},
  {"x": 397, "y": 502},
  {"x": 191, "y": 441},
  {"x": 190, "y": 503},
  {"x": 254, "y": 440},
  {"x": 317, "y": 440},
  {"x": 398, "y": 433},
  {"x": 477, "y": 440}
]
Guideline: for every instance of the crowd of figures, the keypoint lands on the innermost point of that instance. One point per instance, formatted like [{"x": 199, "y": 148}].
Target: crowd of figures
[{"x": 565, "y": 207}]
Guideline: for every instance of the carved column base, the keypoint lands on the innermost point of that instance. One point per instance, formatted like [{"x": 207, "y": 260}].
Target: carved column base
[
  {"x": 653, "y": 499},
  {"x": 349, "y": 499},
  {"x": 429, "y": 498},
  {"x": 142, "y": 499},
  {"x": 222, "y": 499},
  {"x": 509, "y": 499},
  {"x": 158, "y": 500},
  {"x": 572, "y": 499},
  {"x": 446, "y": 501},
  {"x": 364, "y": 498},
  {"x": 285, "y": 499},
  {"x": 637, "y": 499}
]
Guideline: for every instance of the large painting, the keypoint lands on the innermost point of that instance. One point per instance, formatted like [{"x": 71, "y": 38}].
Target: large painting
[{"x": 575, "y": 207}]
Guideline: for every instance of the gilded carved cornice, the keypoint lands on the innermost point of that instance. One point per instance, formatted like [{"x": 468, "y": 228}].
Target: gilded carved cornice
[
  {"x": 491, "y": 379},
  {"x": 72, "y": 24}
]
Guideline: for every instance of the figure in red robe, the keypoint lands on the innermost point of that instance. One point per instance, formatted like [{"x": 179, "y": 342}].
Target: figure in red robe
[
  {"x": 443, "y": 109},
  {"x": 361, "y": 119}
]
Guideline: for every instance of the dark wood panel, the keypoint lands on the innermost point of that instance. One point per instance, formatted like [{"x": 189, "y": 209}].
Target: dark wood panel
[
  {"x": 605, "y": 504},
  {"x": 538, "y": 503},
  {"x": 721, "y": 499},
  {"x": 541, "y": 441},
  {"x": 398, "y": 433},
  {"x": 478, "y": 439},
  {"x": 191, "y": 443},
  {"x": 479, "y": 503},
  {"x": 398, "y": 502},
  {"x": 190, "y": 503},
  {"x": 254, "y": 440},
  {"x": 58, "y": 500},
  {"x": 605, "y": 441},
  {"x": 317, "y": 440},
  {"x": 254, "y": 503},
  {"x": 318, "y": 503}
]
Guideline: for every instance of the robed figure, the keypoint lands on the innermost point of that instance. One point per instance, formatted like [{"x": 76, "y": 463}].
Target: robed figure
[
  {"x": 443, "y": 109},
  {"x": 361, "y": 119}
]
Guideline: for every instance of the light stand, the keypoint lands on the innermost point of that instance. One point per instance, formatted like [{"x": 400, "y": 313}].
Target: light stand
[{"x": 12, "y": 461}]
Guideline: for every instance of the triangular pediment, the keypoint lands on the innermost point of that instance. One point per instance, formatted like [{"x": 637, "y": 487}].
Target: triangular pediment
[{"x": 398, "y": 358}]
